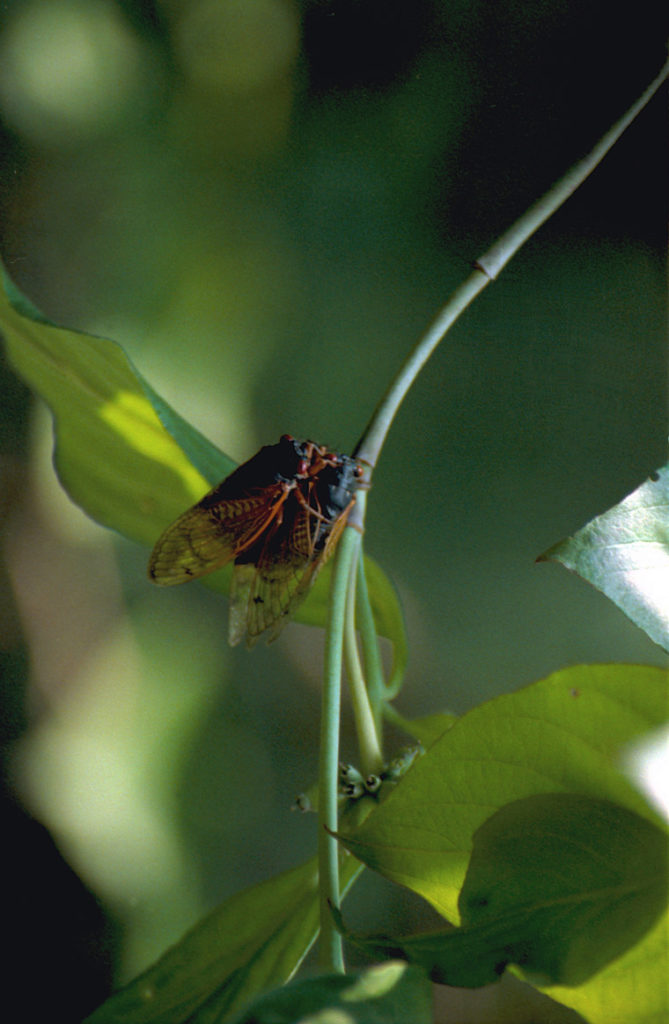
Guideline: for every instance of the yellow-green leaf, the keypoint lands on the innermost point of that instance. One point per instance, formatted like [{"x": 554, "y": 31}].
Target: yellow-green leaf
[{"x": 562, "y": 734}]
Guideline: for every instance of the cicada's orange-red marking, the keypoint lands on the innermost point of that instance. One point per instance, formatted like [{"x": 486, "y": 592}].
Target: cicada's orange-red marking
[{"x": 278, "y": 517}]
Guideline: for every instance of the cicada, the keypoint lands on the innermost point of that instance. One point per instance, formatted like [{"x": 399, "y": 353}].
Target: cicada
[{"x": 278, "y": 517}]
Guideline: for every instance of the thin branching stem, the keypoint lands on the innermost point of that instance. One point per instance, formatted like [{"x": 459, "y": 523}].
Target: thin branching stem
[
  {"x": 331, "y": 954},
  {"x": 486, "y": 269},
  {"x": 376, "y": 683},
  {"x": 371, "y": 757}
]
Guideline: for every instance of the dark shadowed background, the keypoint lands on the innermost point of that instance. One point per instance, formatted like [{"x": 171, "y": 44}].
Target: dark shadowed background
[{"x": 266, "y": 202}]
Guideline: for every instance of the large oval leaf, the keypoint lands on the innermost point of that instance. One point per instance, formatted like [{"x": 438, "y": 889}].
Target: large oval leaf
[
  {"x": 562, "y": 734},
  {"x": 114, "y": 456},
  {"x": 558, "y": 884}
]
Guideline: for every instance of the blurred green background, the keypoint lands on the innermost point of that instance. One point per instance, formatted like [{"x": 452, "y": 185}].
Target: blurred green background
[{"x": 266, "y": 202}]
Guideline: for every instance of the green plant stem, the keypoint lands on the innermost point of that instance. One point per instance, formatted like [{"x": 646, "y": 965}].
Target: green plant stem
[
  {"x": 376, "y": 683},
  {"x": 510, "y": 242},
  {"x": 377, "y": 689},
  {"x": 370, "y": 445},
  {"x": 371, "y": 756},
  {"x": 331, "y": 955},
  {"x": 487, "y": 267},
  {"x": 368, "y": 720}
]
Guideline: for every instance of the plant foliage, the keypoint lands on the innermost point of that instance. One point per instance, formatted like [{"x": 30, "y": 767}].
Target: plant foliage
[{"x": 516, "y": 824}]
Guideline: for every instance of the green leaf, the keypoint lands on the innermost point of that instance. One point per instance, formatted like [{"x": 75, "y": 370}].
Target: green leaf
[
  {"x": 454, "y": 956},
  {"x": 113, "y": 455},
  {"x": 562, "y": 734},
  {"x": 577, "y": 880},
  {"x": 558, "y": 884},
  {"x": 253, "y": 942},
  {"x": 631, "y": 990},
  {"x": 392, "y": 993},
  {"x": 124, "y": 455},
  {"x": 625, "y": 554}
]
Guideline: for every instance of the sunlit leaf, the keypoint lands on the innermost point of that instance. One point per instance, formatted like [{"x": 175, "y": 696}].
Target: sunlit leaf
[
  {"x": 392, "y": 993},
  {"x": 632, "y": 989},
  {"x": 558, "y": 884},
  {"x": 625, "y": 554},
  {"x": 578, "y": 881},
  {"x": 253, "y": 942},
  {"x": 562, "y": 734},
  {"x": 113, "y": 455},
  {"x": 124, "y": 455}
]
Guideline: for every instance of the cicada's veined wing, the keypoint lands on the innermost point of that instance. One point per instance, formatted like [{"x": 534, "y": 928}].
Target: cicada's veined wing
[
  {"x": 240, "y": 592},
  {"x": 266, "y": 592},
  {"x": 266, "y": 580},
  {"x": 263, "y": 597},
  {"x": 208, "y": 536},
  {"x": 278, "y": 516}
]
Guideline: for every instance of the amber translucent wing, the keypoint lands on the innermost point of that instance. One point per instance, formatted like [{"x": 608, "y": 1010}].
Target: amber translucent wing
[
  {"x": 263, "y": 596},
  {"x": 207, "y": 538}
]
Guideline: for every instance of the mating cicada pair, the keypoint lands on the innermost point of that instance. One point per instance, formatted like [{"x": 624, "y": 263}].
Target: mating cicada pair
[{"x": 278, "y": 517}]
